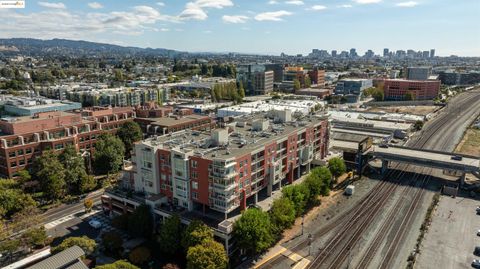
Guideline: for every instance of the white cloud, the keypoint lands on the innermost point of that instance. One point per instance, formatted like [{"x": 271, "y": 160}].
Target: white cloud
[
  {"x": 364, "y": 2},
  {"x": 407, "y": 4},
  {"x": 195, "y": 10},
  {"x": 162, "y": 4},
  {"x": 295, "y": 2},
  {"x": 318, "y": 7},
  {"x": 58, "y": 5},
  {"x": 345, "y": 6},
  {"x": 272, "y": 16},
  {"x": 95, "y": 5},
  {"x": 235, "y": 18},
  {"x": 207, "y": 32},
  {"x": 214, "y": 3},
  {"x": 272, "y": 2},
  {"x": 61, "y": 23},
  {"x": 164, "y": 30}
]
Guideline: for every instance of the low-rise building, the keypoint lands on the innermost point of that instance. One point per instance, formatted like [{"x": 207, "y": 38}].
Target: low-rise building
[
  {"x": 28, "y": 106},
  {"x": 302, "y": 107},
  {"x": 24, "y": 138},
  {"x": 352, "y": 89}
]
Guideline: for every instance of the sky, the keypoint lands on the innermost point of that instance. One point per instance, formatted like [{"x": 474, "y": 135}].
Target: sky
[{"x": 452, "y": 27}]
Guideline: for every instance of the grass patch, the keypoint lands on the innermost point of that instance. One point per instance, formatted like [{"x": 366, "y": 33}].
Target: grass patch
[{"x": 470, "y": 143}]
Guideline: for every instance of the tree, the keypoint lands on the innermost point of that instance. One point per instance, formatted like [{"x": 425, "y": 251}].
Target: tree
[
  {"x": 13, "y": 201},
  {"x": 129, "y": 133},
  {"x": 282, "y": 214},
  {"x": 308, "y": 82},
  {"x": 196, "y": 233},
  {"x": 118, "y": 75},
  {"x": 418, "y": 125},
  {"x": 9, "y": 247},
  {"x": 75, "y": 170},
  {"x": 50, "y": 172},
  {"x": 325, "y": 176},
  {"x": 254, "y": 230},
  {"x": 296, "y": 85},
  {"x": 299, "y": 195},
  {"x": 409, "y": 96},
  {"x": 337, "y": 166},
  {"x": 109, "y": 152},
  {"x": 121, "y": 222},
  {"x": 87, "y": 184},
  {"x": 118, "y": 265},
  {"x": 169, "y": 236},
  {"x": 36, "y": 237},
  {"x": 139, "y": 256},
  {"x": 88, "y": 245},
  {"x": 112, "y": 242},
  {"x": 88, "y": 204},
  {"x": 140, "y": 223},
  {"x": 208, "y": 255},
  {"x": 24, "y": 176}
]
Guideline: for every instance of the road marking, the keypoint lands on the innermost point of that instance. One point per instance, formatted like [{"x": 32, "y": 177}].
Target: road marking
[
  {"x": 302, "y": 264},
  {"x": 57, "y": 222}
]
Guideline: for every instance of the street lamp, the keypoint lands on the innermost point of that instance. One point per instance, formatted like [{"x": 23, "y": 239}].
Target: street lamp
[{"x": 303, "y": 221}]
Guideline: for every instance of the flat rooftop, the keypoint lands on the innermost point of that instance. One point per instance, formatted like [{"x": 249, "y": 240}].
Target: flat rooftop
[
  {"x": 171, "y": 121},
  {"x": 242, "y": 140}
]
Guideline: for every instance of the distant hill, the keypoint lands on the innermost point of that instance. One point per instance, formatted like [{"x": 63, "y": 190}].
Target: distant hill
[{"x": 64, "y": 47}]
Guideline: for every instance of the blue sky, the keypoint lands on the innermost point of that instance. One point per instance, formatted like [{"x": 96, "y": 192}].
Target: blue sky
[{"x": 256, "y": 26}]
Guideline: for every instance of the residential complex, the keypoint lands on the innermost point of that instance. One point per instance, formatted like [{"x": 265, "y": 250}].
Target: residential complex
[
  {"x": 397, "y": 89},
  {"x": 24, "y": 138},
  {"x": 459, "y": 78},
  {"x": 218, "y": 173}
]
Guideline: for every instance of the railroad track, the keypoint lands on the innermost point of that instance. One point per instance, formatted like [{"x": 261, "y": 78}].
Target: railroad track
[{"x": 362, "y": 214}]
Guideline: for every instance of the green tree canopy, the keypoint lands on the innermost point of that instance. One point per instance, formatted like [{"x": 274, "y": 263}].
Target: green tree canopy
[
  {"x": 88, "y": 245},
  {"x": 109, "y": 153},
  {"x": 409, "y": 96},
  {"x": 139, "y": 255},
  {"x": 75, "y": 171},
  {"x": 207, "y": 255},
  {"x": 118, "y": 265},
  {"x": 337, "y": 166},
  {"x": 169, "y": 237},
  {"x": 254, "y": 230},
  {"x": 129, "y": 133},
  {"x": 13, "y": 201},
  {"x": 50, "y": 172},
  {"x": 296, "y": 85},
  {"x": 282, "y": 214},
  {"x": 299, "y": 195},
  {"x": 140, "y": 222},
  {"x": 112, "y": 242},
  {"x": 196, "y": 233},
  {"x": 36, "y": 237}
]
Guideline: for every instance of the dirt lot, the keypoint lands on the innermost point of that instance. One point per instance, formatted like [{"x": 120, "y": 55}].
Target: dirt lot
[
  {"x": 417, "y": 110},
  {"x": 470, "y": 143}
]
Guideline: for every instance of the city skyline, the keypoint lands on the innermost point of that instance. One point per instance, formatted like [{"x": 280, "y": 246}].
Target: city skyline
[{"x": 292, "y": 27}]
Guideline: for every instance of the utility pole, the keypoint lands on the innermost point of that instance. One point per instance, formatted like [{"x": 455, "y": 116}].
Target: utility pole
[{"x": 303, "y": 221}]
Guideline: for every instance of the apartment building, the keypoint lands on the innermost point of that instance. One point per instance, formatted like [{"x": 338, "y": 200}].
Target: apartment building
[
  {"x": 397, "y": 89},
  {"x": 255, "y": 79},
  {"x": 24, "y": 138},
  {"x": 213, "y": 175}
]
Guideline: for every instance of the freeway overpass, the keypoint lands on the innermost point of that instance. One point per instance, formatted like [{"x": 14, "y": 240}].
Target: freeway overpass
[{"x": 421, "y": 157}]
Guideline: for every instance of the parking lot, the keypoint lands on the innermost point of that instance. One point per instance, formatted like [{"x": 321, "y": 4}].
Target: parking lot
[{"x": 452, "y": 236}]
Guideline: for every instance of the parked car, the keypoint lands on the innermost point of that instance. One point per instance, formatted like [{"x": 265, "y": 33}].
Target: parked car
[
  {"x": 457, "y": 158},
  {"x": 385, "y": 146},
  {"x": 477, "y": 251},
  {"x": 478, "y": 233},
  {"x": 476, "y": 263},
  {"x": 95, "y": 224},
  {"x": 478, "y": 210}
]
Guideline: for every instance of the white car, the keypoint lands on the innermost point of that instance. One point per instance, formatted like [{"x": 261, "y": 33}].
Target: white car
[
  {"x": 476, "y": 263},
  {"x": 95, "y": 224}
]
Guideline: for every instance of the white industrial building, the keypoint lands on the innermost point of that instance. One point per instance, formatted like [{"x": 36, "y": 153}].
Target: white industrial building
[{"x": 295, "y": 106}]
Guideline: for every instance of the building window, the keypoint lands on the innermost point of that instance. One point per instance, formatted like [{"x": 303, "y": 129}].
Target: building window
[
  {"x": 11, "y": 154},
  {"x": 13, "y": 164},
  {"x": 20, "y": 152},
  {"x": 21, "y": 162},
  {"x": 28, "y": 150},
  {"x": 195, "y": 195},
  {"x": 194, "y": 185},
  {"x": 194, "y": 174},
  {"x": 58, "y": 146},
  {"x": 194, "y": 164},
  {"x": 163, "y": 176}
]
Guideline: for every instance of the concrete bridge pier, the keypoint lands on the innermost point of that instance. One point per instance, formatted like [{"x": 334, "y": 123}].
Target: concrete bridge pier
[
  {"x": 385, "y": 164},
  {"x": 462, "y": 179}
]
